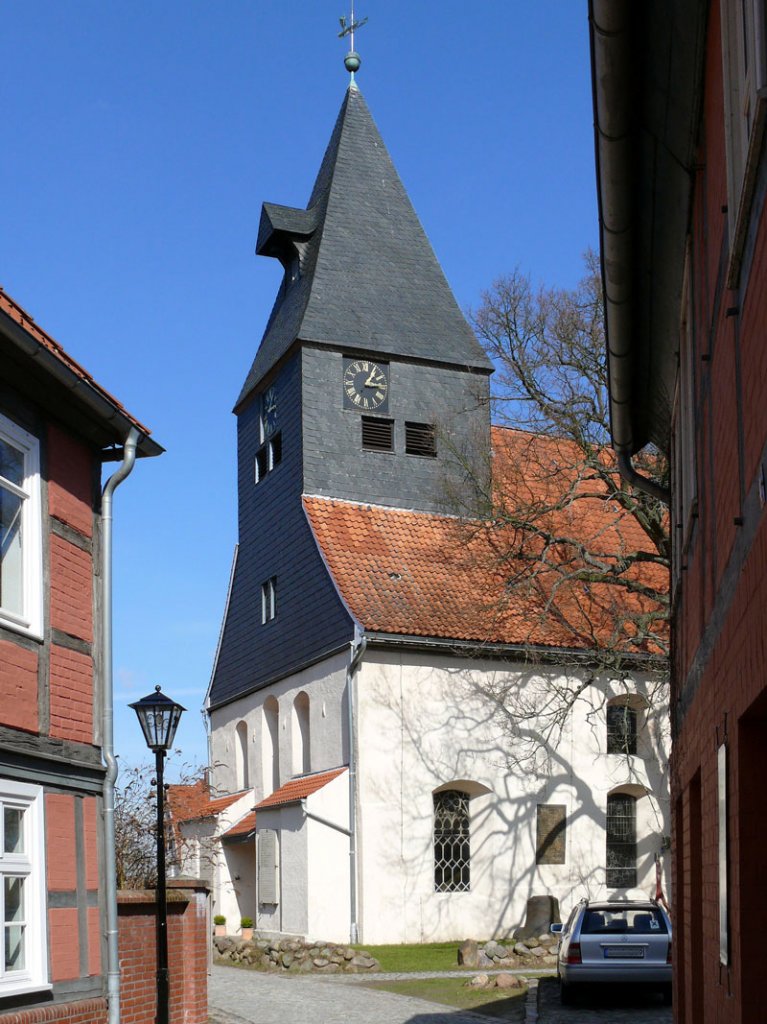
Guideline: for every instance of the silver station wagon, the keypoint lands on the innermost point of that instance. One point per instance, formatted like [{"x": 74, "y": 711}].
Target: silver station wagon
[{"x": 614, "y": 942}]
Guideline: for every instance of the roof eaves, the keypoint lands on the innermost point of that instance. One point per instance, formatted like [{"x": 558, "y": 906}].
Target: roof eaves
[
  {"x": 537, "y": 653},
  {"x": 35, "y": 343}
]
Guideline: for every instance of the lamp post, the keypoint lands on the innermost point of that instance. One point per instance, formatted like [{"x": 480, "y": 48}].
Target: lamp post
[{"x": 159, "y": 716}]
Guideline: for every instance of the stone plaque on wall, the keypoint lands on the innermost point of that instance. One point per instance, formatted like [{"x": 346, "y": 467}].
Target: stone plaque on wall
[{"x": 550, "y": 834}]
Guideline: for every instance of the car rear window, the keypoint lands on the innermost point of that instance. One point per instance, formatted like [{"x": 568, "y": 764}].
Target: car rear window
[{"x": 632, "y": 921}]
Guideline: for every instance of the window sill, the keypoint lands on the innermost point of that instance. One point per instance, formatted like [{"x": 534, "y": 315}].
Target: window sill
[
  {"x": 19, "y": 988},
  {"x": 34, "y": 632}
]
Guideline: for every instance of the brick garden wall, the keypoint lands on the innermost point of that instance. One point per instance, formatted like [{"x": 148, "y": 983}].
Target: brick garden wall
[{"x": 188, "y": 946}]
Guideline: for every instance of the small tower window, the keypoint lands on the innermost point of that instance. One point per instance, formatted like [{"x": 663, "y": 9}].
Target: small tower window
[
  {"x": 268, "y": 600},
  {"x": 377, "y": 434},
  {"x": 268, "y": 456},
  {"x": 421, "y": 439}
]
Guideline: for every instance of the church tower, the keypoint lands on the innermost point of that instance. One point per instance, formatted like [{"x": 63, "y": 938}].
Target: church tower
[{"x": 368, "y": 386}]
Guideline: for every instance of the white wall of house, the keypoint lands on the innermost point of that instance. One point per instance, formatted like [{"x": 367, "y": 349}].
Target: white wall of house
[{"x": 425, "y": 722}]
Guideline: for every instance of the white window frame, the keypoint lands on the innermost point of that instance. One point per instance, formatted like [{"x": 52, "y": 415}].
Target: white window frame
[
  {"x": 30, "y": 621},
  {"x": 31, "y": 866},
  {"x": 744, "y": 60}
]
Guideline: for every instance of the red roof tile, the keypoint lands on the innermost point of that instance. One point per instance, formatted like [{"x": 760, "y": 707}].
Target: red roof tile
[
  {"x": 11, "y": 308},
  {"x": 192, "y": 801},
  {"x": 442, "y": 577},
  {"x": 298, "y": 789},
  {"x": 243, "y": 827}
]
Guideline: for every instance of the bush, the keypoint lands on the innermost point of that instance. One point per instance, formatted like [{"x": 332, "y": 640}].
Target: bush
[
  {"x": 219, "y": 919},
  {"x": 246, "y": 922}
]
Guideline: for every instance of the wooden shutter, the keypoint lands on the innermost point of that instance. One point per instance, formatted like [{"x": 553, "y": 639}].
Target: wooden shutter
[{"x": 268, "y": 888}]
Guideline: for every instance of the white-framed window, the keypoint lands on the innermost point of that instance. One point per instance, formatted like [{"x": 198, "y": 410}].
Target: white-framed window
[
  {"x": 24, "y": 960},
  {"x": 21, "y": 575},
  {"x": 268, "y": 600},
  {"x": 744, "y": 59},
  {"x": 268, "y": 456}
]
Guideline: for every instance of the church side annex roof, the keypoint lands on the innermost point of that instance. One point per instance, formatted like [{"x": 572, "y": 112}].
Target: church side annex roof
[
  {"x": 406, "y": 573},
  {"x": 367, "y": 276},
  {"x": 297, "y": 789}
]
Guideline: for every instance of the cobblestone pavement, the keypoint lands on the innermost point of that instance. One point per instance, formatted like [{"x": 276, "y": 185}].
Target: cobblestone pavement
[
  {"x": 616, "y": 1007},
  {"x": 249, "y": 997}
]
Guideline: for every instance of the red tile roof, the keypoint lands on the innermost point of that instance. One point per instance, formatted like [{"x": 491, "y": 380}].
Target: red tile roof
[
  {"x": 192, "y": 801},
  {"x": 298, "y": 789},
  {"x": 11, "y": 308},
  {"x": 442, "y": 577},
  {"x": 243, "y": 827}
]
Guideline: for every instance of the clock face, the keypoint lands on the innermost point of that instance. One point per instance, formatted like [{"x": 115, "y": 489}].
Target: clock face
[
  {"x": 269, "y": 411},
  {"x": 366, "y": 385}
]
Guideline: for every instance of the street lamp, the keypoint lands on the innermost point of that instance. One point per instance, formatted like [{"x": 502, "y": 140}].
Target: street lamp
[{"x": 159, "y": 716}]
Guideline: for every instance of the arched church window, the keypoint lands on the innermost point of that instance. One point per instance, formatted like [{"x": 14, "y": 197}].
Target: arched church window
[
  {"x": 301, "y": 738},
  {"x": 270, "y": 746},
  {"x": 621, "y": 728},
  {"x": 621, "y": 841},
  {"x": 241, "y": 765},
  {"x": 452, "y": 850}
]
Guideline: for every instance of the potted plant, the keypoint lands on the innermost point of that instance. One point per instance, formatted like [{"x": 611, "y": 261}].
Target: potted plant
[
  {"x": 219, "y": 922},
  {"x": 246, "y": 925}
]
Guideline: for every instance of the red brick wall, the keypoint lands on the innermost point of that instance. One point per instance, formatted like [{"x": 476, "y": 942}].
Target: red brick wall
[
  {"x": 18, "y": 686},
  {"x": 85, "y": 1011},
  {"x": 71, "y": 589},
  {"x": 188, "y": 939},
  {"x": 70, "y": 480},
  {"x": 60, "y": 842},
  {"x": 71, "y": 695}
]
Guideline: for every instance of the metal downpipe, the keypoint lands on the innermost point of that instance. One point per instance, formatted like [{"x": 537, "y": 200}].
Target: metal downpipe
[
  {"x": 642, "y": 483},
  {"x": 113, "y": 962},
  {"x": 358, "y": 649}
]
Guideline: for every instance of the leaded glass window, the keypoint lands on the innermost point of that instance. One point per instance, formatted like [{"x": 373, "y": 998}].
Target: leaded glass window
[
  {"x": 452, "y": 851},
  {"x": 621, "y": 841},
  {"x": 621, "y": 729}
]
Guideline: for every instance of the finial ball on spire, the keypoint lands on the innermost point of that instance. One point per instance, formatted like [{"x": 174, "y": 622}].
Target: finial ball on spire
[{"x": 352, "y": 61}]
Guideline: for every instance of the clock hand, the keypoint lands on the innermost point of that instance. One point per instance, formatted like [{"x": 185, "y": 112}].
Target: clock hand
[{"x": 371, "y": 382}]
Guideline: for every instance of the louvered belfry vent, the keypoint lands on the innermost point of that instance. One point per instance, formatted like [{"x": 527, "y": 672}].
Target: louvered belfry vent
[
  {"x": 421, "y": 439},
  {"x": 377, "y": 434}
]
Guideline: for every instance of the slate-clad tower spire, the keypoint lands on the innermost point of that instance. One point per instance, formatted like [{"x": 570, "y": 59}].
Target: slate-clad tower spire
[
  {"x": 360, "y": 271},
  {"x": 366, "y": 386}
]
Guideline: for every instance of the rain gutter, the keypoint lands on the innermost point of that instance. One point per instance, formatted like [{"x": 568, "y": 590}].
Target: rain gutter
[{"x": 613, "y": 87}]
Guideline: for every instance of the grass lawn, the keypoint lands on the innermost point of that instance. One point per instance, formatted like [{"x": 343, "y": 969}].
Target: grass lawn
[
  {"x": 430, "y": 956},
  {"x": 453, "y": 992}
]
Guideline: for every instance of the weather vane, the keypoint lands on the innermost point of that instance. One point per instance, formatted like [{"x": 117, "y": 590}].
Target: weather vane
[{"x": 352, "y": 59}]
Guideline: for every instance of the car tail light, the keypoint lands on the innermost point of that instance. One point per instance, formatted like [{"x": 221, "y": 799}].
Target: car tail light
[{"x": 574, "y": 953}]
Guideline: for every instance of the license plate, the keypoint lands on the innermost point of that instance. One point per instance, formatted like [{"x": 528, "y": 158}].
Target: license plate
[{"x": 625, "y": 952}]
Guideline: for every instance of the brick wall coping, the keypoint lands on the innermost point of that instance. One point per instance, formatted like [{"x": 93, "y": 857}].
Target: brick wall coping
[
  {"x": 85, "y": 1009},
  {"x": 128, "y": 897}
]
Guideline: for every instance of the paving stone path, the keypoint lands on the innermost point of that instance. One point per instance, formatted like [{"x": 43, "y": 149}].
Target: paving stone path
[
  {"x": 238, "y": 996},
  {"x": 250, "y": 997}
]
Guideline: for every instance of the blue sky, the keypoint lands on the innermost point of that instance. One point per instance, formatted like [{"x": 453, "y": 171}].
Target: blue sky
[{"x": 139, "y": 141}]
